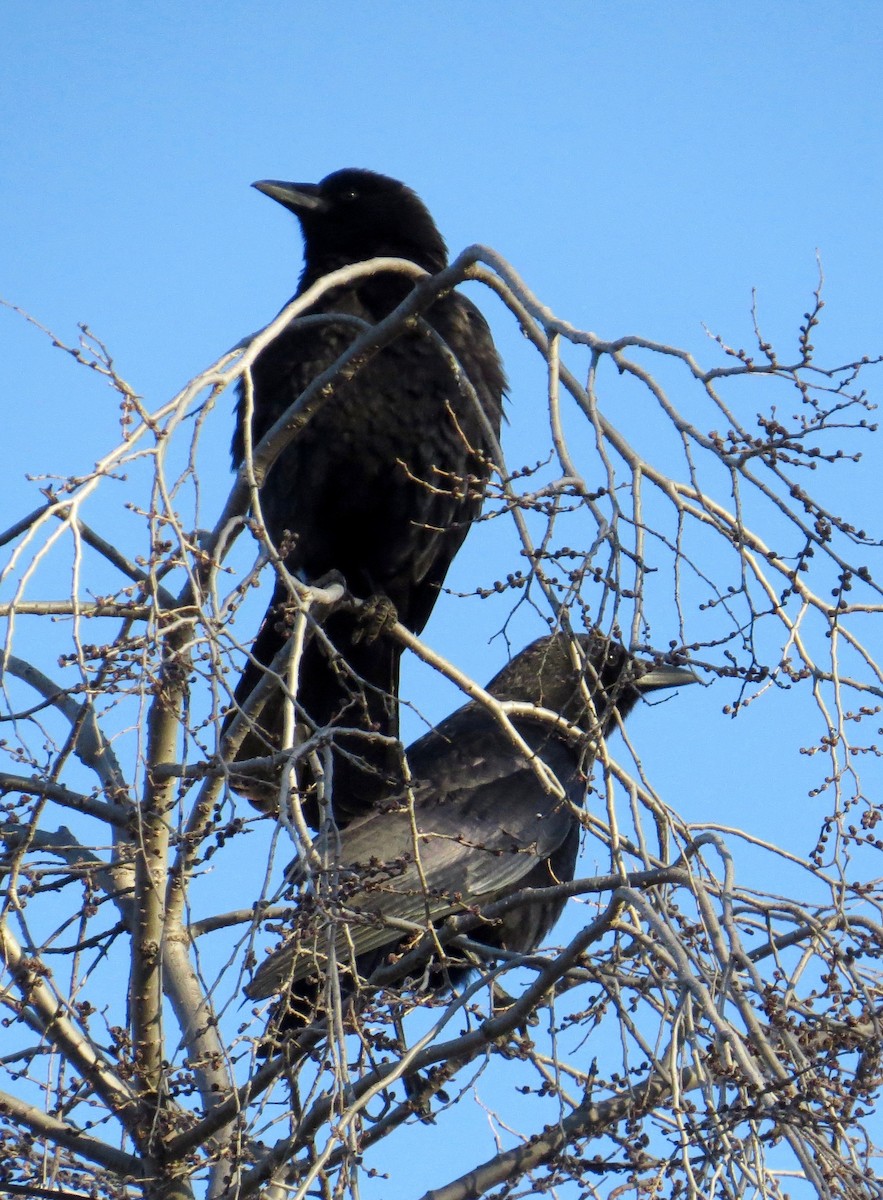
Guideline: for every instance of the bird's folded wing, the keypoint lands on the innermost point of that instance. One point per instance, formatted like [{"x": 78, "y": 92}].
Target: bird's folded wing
[{"x": 473, "y": 844}]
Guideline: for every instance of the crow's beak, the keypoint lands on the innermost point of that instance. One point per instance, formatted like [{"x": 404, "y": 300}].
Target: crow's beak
[
  {"x": 298, "y": 198},
  {"x": 662, "y": 676}
]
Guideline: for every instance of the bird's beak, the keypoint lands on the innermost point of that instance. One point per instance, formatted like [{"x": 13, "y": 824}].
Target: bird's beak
[
  {"x": 662, "y": 676},
  {"x": 298, "y": 198}
]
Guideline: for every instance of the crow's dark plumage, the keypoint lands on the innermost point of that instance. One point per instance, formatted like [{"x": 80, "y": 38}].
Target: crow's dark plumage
[
  {"x": 382, "y": 482},
  {"x": 486, "y": 827}
]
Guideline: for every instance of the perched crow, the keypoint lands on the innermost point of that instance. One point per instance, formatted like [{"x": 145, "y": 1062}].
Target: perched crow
[
  {"x": 382, "y": 483},
  {"x": 485, "y": 826}
]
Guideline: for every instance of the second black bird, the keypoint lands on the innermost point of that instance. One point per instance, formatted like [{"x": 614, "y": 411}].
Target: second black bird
[
  {"x": 382, "y": 483},
  {"x": 481, "y": 827}
]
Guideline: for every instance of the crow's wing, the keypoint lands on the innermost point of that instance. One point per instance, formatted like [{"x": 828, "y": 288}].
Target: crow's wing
[{"x": 479, "y": 823}]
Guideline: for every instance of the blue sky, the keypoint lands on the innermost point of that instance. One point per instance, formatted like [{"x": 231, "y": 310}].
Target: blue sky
[{"x": 643, "y": 167}]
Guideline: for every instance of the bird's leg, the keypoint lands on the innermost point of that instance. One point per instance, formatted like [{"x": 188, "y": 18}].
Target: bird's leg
[
  {"x": 501, "y": 1000},
  {"x": 416, "y": 1085}
]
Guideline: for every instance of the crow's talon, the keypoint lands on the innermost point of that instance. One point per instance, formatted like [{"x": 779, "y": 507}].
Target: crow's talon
[{"x": 375, "y": 616}]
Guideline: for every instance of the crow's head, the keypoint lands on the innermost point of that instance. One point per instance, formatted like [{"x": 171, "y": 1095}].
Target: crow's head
[
  {"x": 353, "y": 215},
  {"x": 587, "y": 678}
]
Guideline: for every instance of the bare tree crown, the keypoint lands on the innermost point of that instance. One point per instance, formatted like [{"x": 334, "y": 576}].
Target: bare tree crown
[{"x": 711, "y": 1022}]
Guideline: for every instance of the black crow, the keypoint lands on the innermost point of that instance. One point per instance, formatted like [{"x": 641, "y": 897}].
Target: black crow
[
  {"x": 382, "y": 483},
  {"x": 481, "y": 827}
]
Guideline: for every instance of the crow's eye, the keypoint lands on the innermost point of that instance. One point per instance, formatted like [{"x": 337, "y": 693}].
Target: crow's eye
[{"x": 348, "y": 196}]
